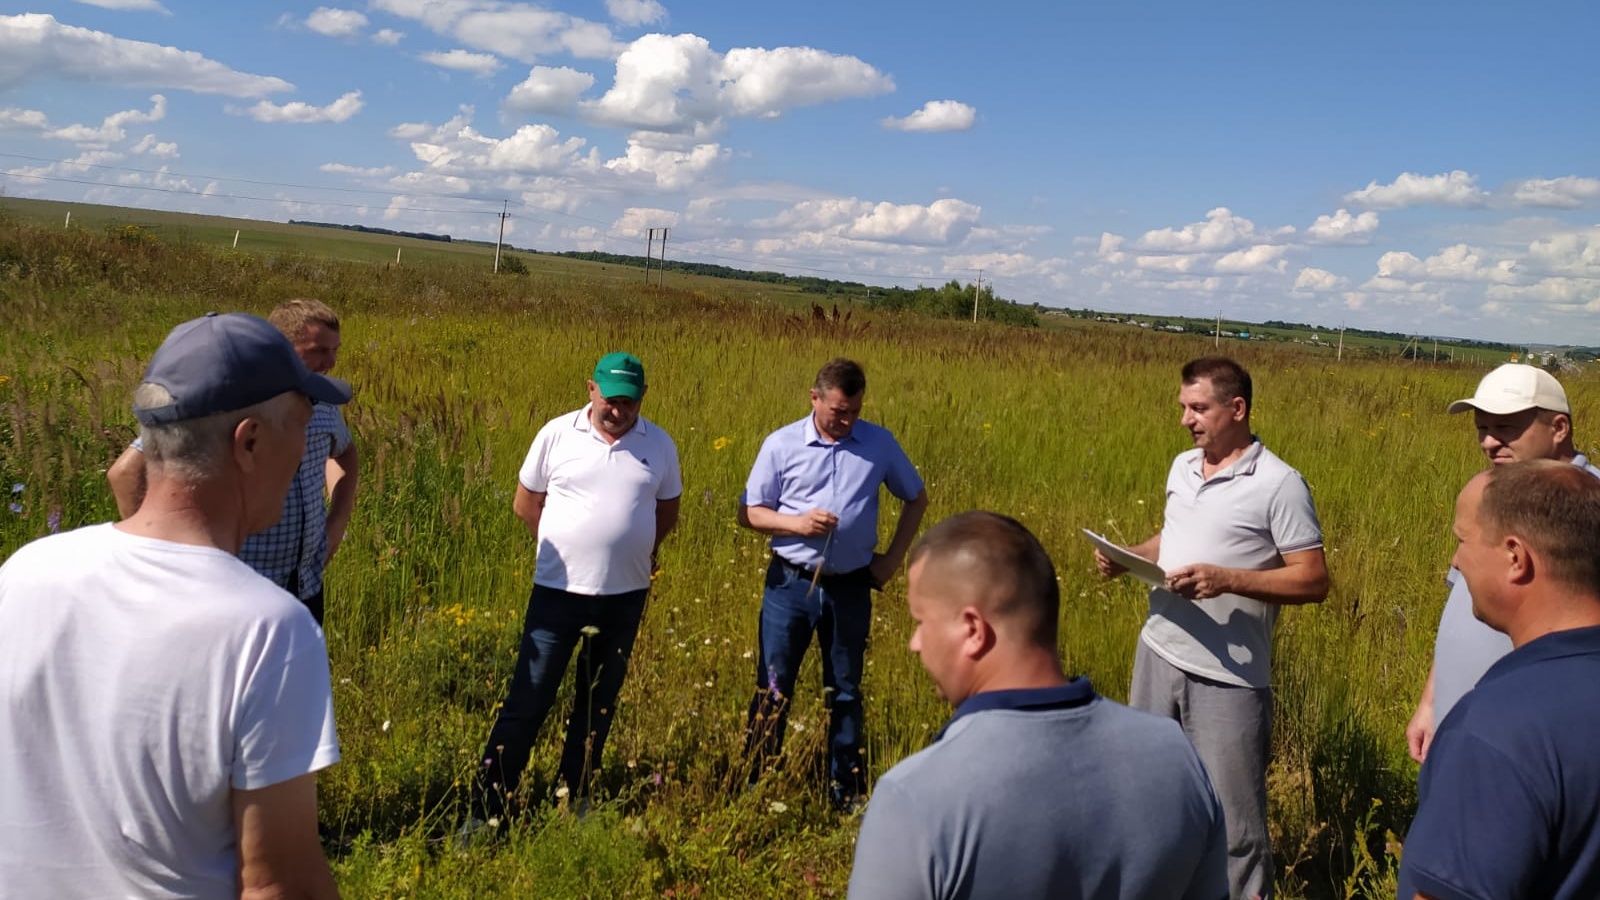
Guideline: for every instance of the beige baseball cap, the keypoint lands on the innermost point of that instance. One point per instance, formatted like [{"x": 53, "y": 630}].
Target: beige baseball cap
[{"x": 1513, "y": 388}]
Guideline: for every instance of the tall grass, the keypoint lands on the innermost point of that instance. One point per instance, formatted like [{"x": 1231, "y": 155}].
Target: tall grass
[{"x": 455, "y": 370}]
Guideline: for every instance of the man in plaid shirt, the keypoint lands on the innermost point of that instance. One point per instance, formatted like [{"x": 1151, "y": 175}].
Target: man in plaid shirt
[{"x": 293, "y": 552}]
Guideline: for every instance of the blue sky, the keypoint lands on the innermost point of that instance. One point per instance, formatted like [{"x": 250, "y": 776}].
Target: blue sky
[{"x": 1421, "y": 167}]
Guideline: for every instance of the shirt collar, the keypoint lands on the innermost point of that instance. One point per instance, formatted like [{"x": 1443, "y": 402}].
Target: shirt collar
[
  {"x": 1076, "y": 692},
  {"x": 813, "y": 436},
  {"x": 1555, "y": 645},
  {"x": 1244, "y": 465},
  {"x": 580, "y": 422}
]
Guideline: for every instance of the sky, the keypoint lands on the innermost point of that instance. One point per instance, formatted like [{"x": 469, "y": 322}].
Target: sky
[{"x": 1423, "y": 167}]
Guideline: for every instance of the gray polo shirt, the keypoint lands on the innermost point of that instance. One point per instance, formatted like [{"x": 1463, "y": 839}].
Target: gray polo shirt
[
  {"x": 1246, "y": 516},
  {"x": 1051, "y": 792},
  {"x": 1465, "y": 648}
]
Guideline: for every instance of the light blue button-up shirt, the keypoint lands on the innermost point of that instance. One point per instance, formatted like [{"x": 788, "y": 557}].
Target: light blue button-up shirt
[{"x": 798, "y": 470}]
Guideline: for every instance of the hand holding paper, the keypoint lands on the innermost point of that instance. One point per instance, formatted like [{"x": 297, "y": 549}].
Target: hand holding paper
[{"x": 1137, "y": 566}]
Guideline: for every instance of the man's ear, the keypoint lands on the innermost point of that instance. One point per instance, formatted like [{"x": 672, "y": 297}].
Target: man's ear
[
  {"x": 1561, "y": 425},
  {"x": 247, "y": 440},
  {"x": 1240, "y": 409},
  {"x": 977, "y": 635},
  {"x": 1520, "y": 564}
]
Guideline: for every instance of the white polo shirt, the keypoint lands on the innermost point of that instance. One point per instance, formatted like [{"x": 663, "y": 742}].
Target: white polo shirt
[
  {"x": 1243, "y": 517},
  {"x": 599, "y": 521}
]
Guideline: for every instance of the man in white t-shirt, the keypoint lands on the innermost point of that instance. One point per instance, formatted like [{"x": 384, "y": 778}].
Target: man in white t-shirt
[
  {"x": 599, "y": 491},
  {"x": 163, "y": 708},
  {"x": 1240, "y": 540}
]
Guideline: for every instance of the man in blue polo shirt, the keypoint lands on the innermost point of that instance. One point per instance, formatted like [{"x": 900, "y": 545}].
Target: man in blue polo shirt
[
  {"x": 1509, "y": 805},
  {"x": 814, "y": 489},
  {"x": 1037, "y": 787}
]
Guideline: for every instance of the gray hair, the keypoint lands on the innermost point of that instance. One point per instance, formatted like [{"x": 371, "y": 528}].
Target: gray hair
[{"x": 194, "y": 450}]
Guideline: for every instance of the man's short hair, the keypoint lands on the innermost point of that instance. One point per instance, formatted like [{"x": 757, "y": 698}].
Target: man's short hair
[
  {"x": 195, "y": 450},
  {"x": 843, "y": 375},
  {"x": 1228, "y": 378},
  {"x": 1018, "y": 579},
  {"x": 292, "y": 316},
  {"x": 1555, "y": 507}
]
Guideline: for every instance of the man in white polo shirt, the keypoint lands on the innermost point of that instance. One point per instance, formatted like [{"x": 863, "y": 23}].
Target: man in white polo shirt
[
  {"x": 1521, "y": 413},
  {"x": 599, "y": 491},
  {"x": 1240, "y": 539}
]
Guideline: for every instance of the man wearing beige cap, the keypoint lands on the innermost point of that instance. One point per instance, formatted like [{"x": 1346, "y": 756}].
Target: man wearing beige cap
[{"x": 1521, "y": 413}]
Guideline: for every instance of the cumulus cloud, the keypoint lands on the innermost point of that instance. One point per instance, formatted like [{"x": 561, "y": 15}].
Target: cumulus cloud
[
  {"x": 520, "y": 31},
  {"x": 480, "y": 64},
  {"x": 1255, "y": 260},
  {"x": 1314, "y": 280},
  {"x": 549, "y": 90},
  {"x": 1568, "y": 192},
  {"x": 677, "y": 83},
  {"x": 1455, "y": 188},
  {"x": 149, "y": 146},
  {"x": 1569, "y": 253},
  {"x": 1222, "y": 230},
  {"x": 1459, "y": 263},
  {"x": 388, "y": 37},
  {"x": 113, "y": 128},
  {"x": 941, "y": 223},
  {"x": 637, "y": 220},
  {"x": 635, "y": 12},
  {"x": 364, "y": 172},
  {"x": 129, "y": 5},
  {"x": 332, "y": 22},
  {"x": 23, "y": 119},
  {"x": 936, "y": 115},
  {"x": 1343, "y": 228},
  {"x": 299, "y": 113},
  {"x": 668, "y": 169},
  {"x": 34, "y": 46}
]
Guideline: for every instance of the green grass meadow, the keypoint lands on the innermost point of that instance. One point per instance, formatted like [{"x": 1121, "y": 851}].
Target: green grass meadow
[{"x": 455, "y": 369}]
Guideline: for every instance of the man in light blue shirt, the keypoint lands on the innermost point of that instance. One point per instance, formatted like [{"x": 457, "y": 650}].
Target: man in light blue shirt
[{"x": 814, "y": 489}]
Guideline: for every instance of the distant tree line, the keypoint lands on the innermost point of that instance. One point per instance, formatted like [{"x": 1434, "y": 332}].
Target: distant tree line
[
  {"x": 955, "y": 301},
  {"x": 419, "y": 235}
]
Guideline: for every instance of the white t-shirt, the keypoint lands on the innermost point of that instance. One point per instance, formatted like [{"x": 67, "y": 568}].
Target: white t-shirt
[
  {"x": 599, "y": 521},
  {"x": 141, "y": 682},
  {"x": 1246, "y": 516}
]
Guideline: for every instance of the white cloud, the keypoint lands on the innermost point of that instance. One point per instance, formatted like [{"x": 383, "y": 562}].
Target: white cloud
[
  {"x": 22, "y": 119},
  {"x": 1343, "y": 228},
  {"x": 111, "y": 130},
  {"x": 129, "y": 5},
  {"x": 1260, "y": 259},
  {"x": 942, "y": 223},
  {"x": 670, "y": 170},
  {"x": 1568, "y": 253},
  {"x": 549, "y": 90},
  {"x": 388, "y": 37},
  {"x": 635, "y": 12},
  {"x": 1568, "y": 192},
  {"x": 1222, "y": 230},
  {"x": 369, "y": 172},
  {"x": 332, "y": 22},
  {"x": 480, "y": 64},
  {"x": 1110, "y": 248},
  {"x": 517, "y": 30},
  {"x": 1178, "y": 264},
  {"x": 677, "y": 83},
  {"x": 635, "y": 221},
  {"x": 936, "y": 115},
  {"x": 1315, "y": 280},
  {"x": 35, "y": 46},
  {"x": 1456, "y": 263},
  {"x": 299, "y": 113},
  {"x": 149, "y": 146},
  {"x": 1455, "y": 188}
]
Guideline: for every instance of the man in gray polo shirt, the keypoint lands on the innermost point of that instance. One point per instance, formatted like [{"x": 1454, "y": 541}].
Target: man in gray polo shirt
[
  {"x": 1240, "y": 539},
  {"x": 1037, "y": 787},
  {"x": 1521, "y": 413}
]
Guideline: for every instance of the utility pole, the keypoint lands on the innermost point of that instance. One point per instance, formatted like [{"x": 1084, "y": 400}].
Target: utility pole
[
  {"x": 1217, "y": 335},
  {"x": 661, "y": 269},
  {"x": 505, "y": 205},
  {"x": 977, "y": 291},
  {"x": 1340, "y": 357},
  {"x": 649, "y": 249}
]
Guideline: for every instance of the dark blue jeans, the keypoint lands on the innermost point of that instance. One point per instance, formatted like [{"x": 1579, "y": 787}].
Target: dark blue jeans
[
  {"x": 839, "y": 612},
  {"x": 553, "y": 626}
]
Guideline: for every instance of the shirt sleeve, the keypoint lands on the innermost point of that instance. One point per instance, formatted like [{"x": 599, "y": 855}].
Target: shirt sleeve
[
  {"x": 893, "y": 858},
  {"x": 340, "y": 432},
  {"x": 765, "y": 485},
  {"x": 1293, "y": 517},
  {"x": 535, "y": 474},
  {"x": 671, "y": 486},
  {"x": 902, "y": 479},
  {"x": 285, "y": 727},
  {"x": 1480, "y": 830}
]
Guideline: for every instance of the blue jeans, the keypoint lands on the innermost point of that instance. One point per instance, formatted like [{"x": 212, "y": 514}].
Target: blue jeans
[
  {"x": 551, "y": 629},
  {"x": 839, "y": 612}
]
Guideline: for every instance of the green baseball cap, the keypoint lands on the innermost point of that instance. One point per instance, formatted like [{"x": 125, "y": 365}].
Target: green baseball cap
[{"x": 619, "y": 375}]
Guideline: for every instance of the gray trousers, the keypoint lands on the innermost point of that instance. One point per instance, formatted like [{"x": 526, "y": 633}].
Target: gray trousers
[{"x": 1231, "y": 729}]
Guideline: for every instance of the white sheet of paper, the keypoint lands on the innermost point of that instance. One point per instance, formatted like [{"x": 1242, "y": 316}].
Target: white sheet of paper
[{"x": 1139, "y": 567}]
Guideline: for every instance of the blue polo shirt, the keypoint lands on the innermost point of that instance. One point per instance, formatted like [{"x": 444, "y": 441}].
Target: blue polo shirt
[
  {"x": 798, "y": 470},
  {"x": 1510, "y": 793},
  {"x": 1049, "y": 792}
]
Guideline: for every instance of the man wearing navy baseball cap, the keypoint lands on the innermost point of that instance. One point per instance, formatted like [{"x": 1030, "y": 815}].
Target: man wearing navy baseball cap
[{"x": 163, "y": 707}]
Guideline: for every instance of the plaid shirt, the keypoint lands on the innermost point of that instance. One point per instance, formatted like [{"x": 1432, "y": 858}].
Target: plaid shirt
[{"x": 300, "y": 538}]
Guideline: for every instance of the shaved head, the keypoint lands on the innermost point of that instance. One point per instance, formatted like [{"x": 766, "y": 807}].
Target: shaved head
[{"x": 993, "y": 563}]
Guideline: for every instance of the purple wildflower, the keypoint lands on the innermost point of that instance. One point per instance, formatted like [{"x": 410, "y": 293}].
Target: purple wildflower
[
  {"x": 16, "y": 508},
  {"x": 18, "y": 488},
  {"x": 53, "y": 520}
]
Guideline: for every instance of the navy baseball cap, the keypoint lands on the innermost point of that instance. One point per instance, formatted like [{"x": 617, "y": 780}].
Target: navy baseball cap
[{"x": 225, "y": 362}]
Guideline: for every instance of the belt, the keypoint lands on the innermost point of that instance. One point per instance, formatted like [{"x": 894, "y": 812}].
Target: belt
[{"x": 862, "y": 574}]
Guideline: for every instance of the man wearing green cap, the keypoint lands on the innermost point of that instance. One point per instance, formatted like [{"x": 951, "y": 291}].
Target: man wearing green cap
[{"x": 599, "y": 491}]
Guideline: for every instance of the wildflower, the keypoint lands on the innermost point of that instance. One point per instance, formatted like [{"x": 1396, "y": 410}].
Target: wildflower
[
  {"x": 655, "y": 778},
  {"x": 16, "y": 508},
  {"x": 18, "y": 488},
  {"x": 562, "y": 792},
  {"x": 589, "y": 631},
  {"x": 5, "y": 380},
  {"x": 385, "y": 724},
  {"x": 721, "y": 444},
  {"x": 779, "y": 807},
  {"x": 988, "y": 426}
]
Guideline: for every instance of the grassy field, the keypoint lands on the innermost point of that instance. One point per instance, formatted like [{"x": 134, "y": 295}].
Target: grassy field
[{"x": 455, "y": 370}]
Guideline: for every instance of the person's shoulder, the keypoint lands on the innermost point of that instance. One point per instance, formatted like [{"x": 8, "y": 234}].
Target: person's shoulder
[
  {"x": 654, "y": 432},
  {"x": 1273, "y": 466},
  {"x": 567, "y": 421},
  {"x": 49, "y": 551}
]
